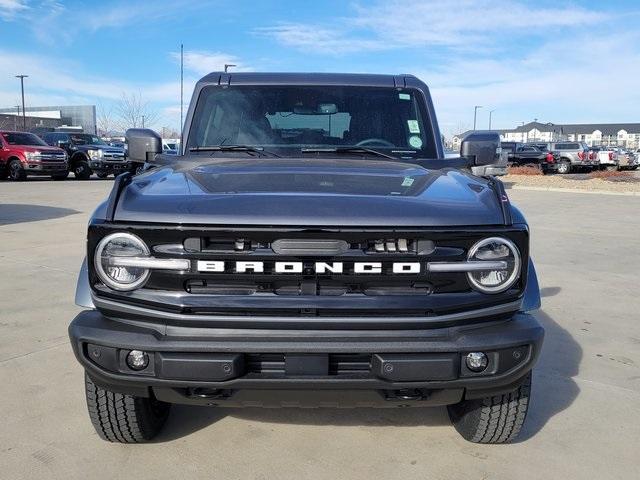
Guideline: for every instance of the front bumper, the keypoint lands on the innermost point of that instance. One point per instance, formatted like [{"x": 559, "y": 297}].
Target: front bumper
[
  {"x": 38, "y": 168},
  {"x": 109, "y": 167},
  {"x": 238, "y": 367}
]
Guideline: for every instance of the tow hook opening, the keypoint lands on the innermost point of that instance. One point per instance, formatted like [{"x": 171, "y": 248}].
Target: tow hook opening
[
  {"x": 204, "y": 392},
  {"x": 406, "y": 394}
]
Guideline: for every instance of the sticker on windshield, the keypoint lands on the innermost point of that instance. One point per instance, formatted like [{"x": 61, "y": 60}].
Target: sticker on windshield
[
  {"x": 414, "y": 127},
  {"x": 404, "y": 96},
  {"x": 407, "y": 182},
  {"x": 415, "y": 141}
]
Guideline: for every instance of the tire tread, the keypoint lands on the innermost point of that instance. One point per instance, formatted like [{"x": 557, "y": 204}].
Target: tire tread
[
  {"x": 122, "y": 418},
  {"x": 495, "y": 419}
]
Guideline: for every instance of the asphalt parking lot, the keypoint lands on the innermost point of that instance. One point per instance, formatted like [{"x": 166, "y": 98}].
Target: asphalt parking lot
[{"x": 584, "y": 421}]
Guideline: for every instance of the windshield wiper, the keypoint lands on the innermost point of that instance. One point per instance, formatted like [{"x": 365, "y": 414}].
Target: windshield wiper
[
  {"x": 233, "y": 148},
  {"x": 354, "y": 150}
]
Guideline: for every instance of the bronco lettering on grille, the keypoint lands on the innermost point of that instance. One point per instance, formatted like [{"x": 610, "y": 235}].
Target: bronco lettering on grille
[{"x": 218, "y": 266}]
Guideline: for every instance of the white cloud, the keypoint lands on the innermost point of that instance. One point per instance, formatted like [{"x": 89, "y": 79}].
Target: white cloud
[
  {"x": 9, "y": 9},
  {"x": 318, "y": 39},
  {"x": 458, "y": 23},
  {"x": 446, "y": 23},
  {"x": 202, "y": 62}
]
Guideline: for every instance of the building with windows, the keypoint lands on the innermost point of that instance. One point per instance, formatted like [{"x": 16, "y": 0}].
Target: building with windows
[
  {"x": 620, "y": 134},
  {"x": 62, "y": 116}
]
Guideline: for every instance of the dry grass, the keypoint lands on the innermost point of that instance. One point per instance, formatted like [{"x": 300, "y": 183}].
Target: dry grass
[
  {"x": 604, "y": 174},
  {"x": 523, "y": 171}
]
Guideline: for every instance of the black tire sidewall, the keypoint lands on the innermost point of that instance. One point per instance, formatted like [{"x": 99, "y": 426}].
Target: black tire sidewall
[
  {"x": 85, "y": 174},
  {"x": 16, "y": 166}
]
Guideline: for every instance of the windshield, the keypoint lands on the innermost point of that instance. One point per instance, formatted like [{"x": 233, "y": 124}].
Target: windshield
[
  {"x": 28, "y": 139},
  {"x": 86, "y": 139},
  {"x": 293, "y": 118}
]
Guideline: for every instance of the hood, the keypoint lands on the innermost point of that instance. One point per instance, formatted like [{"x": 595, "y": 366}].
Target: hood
[
  {"x": 307, "y": 192},
  {"x": 106, "y": 148},
  {"x": 38, "y": 148}
]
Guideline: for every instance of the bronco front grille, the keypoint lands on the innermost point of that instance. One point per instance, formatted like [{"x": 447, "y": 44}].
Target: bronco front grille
[{"x": 233, "y": 271}]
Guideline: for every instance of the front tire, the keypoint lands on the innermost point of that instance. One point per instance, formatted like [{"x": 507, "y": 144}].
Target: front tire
[
  {"x": 124, "y": 418},
  {"x": 496, "y": 419},
  {"x": 16, "y": 171},
  {"x": 564, "y": 167},
  {"x": 81, "y": 170}
]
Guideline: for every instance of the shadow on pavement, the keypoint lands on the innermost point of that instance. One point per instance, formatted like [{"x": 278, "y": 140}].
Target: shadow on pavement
[
  {"x": 553, "y": 391},
  {"x": 185, "y": 420},
  {"x": 553, "y": 387},
  {"x": 549, "y": 291},
  {"x": 20, "y": 213}
]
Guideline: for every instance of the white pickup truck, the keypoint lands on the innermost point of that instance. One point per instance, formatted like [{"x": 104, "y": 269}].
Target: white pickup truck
[{"x": 608, "y": 158}]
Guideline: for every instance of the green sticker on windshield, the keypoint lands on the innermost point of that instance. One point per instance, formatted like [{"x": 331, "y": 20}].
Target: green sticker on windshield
[
  {"x": 407, "y": 182},
  {"x": 415, "y": 141},
  {"x": 414, "y": 126},
  {"x": 404, "y": 96}
]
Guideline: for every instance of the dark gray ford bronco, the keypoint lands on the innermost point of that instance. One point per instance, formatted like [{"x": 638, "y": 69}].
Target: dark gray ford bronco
[{"x": 309, "y": 246}]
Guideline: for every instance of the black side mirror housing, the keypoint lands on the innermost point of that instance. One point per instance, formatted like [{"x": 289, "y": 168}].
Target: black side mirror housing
[
  {"x": 143, "y": 144},
  {"x": 481, "y": 148}
]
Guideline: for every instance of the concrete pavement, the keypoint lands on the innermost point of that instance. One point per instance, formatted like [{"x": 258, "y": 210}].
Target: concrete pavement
[{"x": 584, "y": 420}]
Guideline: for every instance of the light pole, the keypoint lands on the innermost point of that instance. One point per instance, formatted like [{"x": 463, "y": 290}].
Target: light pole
[
  {"x": 15, "y": 119},
  {"x": 490, "y": 114},
  {"x": 475, "y": 114},
  {"x": 24, "y": 118},
  {"x": 142, "y": 121},
  {"x": 227, "y": 66}
]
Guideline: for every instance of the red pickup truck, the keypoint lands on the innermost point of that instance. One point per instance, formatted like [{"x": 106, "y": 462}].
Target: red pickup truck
[{"x": 23, "y": 154}]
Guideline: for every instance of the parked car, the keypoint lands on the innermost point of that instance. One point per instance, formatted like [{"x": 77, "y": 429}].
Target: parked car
[
  {"x": 571, "y": 156},
  {"x": 627, "y": 159},
  {"x": 23, "y": 154},
  {"x": 89, "y": 154},
  {"x": 522, "y": 154},
  {"x": 321, "y": 250},
  {"x": 607, "y": 158},
  {"x": 170, "y": 147}
]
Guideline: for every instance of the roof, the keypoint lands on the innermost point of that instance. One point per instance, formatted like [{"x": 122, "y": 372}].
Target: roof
[
  {"x": 284, "y": 78},
  {"x": 570, "y": 128},
  {"x": 464, "y": 134}
]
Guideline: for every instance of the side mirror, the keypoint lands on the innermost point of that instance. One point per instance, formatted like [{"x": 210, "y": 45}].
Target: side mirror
[
  {"x": 481, "y": 148},
  {"x": 142, "y": 144}
]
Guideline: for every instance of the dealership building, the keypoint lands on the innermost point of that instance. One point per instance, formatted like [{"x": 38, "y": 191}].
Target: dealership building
[
  {"x": 621, "y": 134},
  {"x": 77, "y": 117}
]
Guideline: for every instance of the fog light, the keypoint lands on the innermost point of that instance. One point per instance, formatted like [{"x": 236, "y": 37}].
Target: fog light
[
  {"x": 477, "y": 361},
  {"x": 137, "y": 360}
]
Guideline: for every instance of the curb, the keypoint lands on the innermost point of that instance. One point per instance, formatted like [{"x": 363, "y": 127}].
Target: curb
[{"x": 573, "y": 190}]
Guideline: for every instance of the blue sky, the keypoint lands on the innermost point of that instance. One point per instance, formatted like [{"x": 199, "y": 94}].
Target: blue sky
[{"x": 555, "y": 61}]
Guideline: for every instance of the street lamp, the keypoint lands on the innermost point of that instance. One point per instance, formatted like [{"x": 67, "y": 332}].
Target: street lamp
[
  {"x": 475, "y": 114},
  {"x": 490, "y": 113},
  {"x": 24, "y": 117}
]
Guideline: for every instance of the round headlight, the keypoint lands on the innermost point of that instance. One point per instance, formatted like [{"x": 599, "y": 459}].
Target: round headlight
[
  {"x": 498, "y": 251},
  {"x": 120, "y": 277}
]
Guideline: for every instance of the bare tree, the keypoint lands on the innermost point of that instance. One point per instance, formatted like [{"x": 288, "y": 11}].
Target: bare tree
[
  {"x": 106, "y": 121},
  {"x": 169, "y": 132},
  {"x": 134, "y": 112}
]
